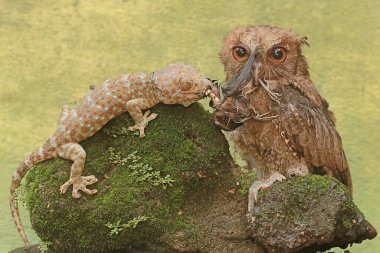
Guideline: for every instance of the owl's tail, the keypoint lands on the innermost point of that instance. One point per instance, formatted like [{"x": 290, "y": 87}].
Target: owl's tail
[
  {"x": 349, "y": 184},
  {"x": 348, "y": 181},
  {"x": 344, "y": 174}
]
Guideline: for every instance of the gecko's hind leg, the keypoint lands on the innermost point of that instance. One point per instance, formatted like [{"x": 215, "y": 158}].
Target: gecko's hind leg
[{"x": 76, "y": 153}]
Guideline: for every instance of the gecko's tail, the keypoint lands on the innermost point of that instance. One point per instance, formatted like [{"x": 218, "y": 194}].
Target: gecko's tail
[{"x": 37, "y": 156}]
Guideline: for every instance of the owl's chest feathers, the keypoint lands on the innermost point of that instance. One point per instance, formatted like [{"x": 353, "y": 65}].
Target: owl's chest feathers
[{"x": 265, "y": 139}]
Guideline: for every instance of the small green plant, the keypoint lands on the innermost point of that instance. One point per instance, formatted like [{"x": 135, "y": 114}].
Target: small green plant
[
  {"x": 143, "y": 172},
  {"x": 246, "y": 178},
  {"x": 115, "y": 158},
  {"x": 117, "y": 227},
  {"x": 115, "y": 132},
  {"x": 43, "y": 246}
]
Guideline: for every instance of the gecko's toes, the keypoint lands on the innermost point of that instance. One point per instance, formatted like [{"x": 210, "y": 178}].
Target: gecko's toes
[
  {"x": 132, "y": 128},
  {"x": 89, "y": 180},
  {"x": 138, "y": 127},
  {"x": 88, "y": 191},
  {"x": 76, "y": 194},
  {"x": 64, "y": 187},
  {"x": 152, "y": 117},
  {"x": 80, "y": 184}
]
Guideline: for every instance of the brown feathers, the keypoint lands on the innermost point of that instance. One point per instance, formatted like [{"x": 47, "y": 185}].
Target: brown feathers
[{"x": 286, "y": 125}]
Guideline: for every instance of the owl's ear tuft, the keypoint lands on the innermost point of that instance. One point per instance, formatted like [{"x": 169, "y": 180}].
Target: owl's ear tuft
[{"x": 303, "y": 41}]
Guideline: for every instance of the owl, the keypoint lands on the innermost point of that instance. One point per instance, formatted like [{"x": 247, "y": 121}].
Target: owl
[{"x": 277, "y": 119}]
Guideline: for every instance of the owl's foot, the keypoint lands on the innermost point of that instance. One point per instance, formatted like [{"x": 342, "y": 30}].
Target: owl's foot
[
  {"x": 273, "y": 95},
  {"x": 254, "y": 191}
]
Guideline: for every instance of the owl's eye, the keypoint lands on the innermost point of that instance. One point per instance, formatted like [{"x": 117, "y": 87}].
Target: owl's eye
[
  {"x": 239, "y": 53},
  {"x": 278, "y": 54}
]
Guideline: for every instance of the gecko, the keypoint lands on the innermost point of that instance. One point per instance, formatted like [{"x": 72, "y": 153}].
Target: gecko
[{"x": 176, "y": 84}]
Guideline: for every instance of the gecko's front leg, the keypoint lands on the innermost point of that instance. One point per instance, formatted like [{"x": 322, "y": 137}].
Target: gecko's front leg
[{"x": 135, "y": 107}]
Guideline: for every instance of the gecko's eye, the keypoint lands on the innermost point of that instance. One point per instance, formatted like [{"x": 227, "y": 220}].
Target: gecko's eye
[{"x": 185, "y": 86}]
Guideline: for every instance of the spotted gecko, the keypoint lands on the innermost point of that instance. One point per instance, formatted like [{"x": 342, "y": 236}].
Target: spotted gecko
[{"x": 176, "y": 84}]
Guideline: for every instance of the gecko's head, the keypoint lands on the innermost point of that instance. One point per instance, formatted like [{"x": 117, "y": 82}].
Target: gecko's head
[{"x": 181, "y": 84}]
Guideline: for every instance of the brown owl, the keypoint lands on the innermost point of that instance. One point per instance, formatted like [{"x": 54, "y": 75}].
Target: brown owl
[{"x": 279, "y": 122}]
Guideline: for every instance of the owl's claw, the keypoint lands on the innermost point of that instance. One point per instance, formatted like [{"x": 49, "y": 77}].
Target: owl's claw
[{"x": 254, "y": 191}]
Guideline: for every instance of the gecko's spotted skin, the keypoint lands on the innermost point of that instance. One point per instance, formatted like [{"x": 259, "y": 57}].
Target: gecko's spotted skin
[{"x": 176, "y": 84}]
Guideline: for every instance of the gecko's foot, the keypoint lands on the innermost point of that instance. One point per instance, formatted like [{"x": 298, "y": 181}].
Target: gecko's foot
[
  {"x": 254, "y": 191},
  {"x": 81, "y": 185},
  {"x": 144, "y": 123}
]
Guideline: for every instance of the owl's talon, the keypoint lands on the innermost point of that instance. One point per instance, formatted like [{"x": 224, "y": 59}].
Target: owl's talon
[
  {"x": 250, "y": 218},
  {"x": 262, "y": 184}
]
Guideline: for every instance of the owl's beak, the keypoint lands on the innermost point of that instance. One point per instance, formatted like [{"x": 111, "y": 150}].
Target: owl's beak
[
  {"x": 228, "y": 116},
  {"x": 235, "y": 83}
]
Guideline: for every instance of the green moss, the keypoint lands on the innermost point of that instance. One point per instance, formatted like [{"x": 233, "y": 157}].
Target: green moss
[
  {"x": 314, "y": 212},
  {"x": 180, "y": 144},
  {"x": 246, "y": 177},
  {"x": 306, "y": 194}
]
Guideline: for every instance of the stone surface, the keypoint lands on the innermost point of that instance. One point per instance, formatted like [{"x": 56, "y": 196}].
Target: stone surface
[
  {"x": 308, "y": 214},
  {"x": 200, "y": 210},
  {"x": 178, "y": 190}
]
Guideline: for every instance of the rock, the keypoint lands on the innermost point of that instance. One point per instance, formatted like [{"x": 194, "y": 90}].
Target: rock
[
  {"x": 170, "y": 189},
  {"x": 308, "y": 214},
  {"x": 176, "y": 191}
]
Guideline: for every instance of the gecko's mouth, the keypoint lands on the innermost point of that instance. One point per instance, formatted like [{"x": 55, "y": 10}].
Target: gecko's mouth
[{"x": 213, "y": 89}]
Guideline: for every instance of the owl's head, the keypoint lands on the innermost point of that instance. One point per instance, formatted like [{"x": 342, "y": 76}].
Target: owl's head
[{"x": 265, "y": 52}]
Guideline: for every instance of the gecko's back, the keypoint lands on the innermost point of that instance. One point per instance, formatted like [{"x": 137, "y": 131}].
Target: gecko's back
[{"x": 104, "y": 102}]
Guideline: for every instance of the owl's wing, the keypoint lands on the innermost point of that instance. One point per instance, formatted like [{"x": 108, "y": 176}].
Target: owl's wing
[{"x": 311, "y": 133}]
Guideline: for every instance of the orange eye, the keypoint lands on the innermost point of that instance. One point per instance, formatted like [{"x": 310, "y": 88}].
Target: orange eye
[
  {"x": 278, "y": 54},
  {"x": 239, "y": 53},
  {"x": 185, "y": 86}
]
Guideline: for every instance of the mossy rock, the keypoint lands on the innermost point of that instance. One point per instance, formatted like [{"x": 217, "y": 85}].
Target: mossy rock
[
  {"x": 146, "y": 186},
  {"x": 308, "y": 214},
  {"x": 178, "y": 190}
]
